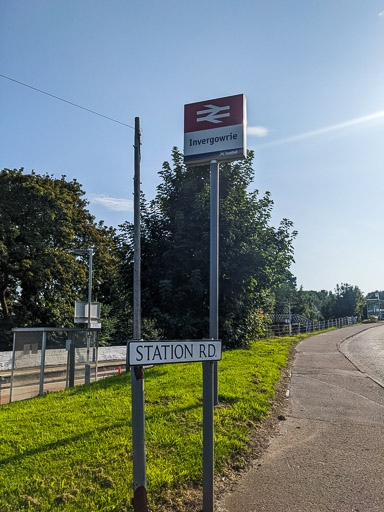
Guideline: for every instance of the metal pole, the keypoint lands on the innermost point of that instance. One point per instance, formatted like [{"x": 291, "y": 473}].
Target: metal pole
[
  {"x": 89, "y": 287},
  {"x": 87, "y": 366},
  {"x": 214, "y": 264},
  {"x": 72, "y": 363},
  {"x": 290, "y": 321},
  {"x": 13, "y": 366},
  {"x": 42, "y": 365},
  {"x": 140, "y": 502},
  {"x": 209, "y": 368},
  {"x": 208, "y": 437}
]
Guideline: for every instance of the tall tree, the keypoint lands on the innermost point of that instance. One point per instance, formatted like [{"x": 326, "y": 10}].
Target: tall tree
[
  {"x": 42, "y": 219},
  {"x": 349, "y": 301},
  {"x": 254, "y": 256}
]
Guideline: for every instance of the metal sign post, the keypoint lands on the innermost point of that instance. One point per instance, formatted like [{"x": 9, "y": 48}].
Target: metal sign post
[
  {"x": 208, "y": 436},
  {"x": 214, "y": 130},
  {"x": 210, "y": 373},
  {"x": 214, "y": 264},
  {"x": 89, "y": 305}
]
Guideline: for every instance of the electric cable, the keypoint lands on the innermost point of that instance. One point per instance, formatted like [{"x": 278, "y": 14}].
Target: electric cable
[{"x": 66, "y": 101}]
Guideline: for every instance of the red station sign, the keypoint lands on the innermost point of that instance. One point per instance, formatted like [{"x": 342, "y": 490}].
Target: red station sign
[{"x": 215, "y": 130}]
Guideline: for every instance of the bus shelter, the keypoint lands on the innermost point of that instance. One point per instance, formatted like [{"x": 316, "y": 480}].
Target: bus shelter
[
  {"x": 375, "y": 308},
  {"x": 46, "y": 359}
]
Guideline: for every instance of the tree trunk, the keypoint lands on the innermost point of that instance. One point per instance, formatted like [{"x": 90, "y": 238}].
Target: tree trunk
[{"x": 3, "y": 303}]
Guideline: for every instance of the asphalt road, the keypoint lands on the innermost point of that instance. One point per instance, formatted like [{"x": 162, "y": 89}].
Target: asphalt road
[{"x": 366, "y": 352}]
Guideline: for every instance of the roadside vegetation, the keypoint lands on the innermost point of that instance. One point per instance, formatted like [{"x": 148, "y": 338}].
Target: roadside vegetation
[
  {"x": 43, "y": 219},
  {"x": 71, "y": 450}
]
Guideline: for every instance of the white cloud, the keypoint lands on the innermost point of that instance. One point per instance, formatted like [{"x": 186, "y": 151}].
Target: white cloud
[
  {"x": 257, "y": 131},
  {"x": 332, "y": 128},
  {"x": 381, "y": 14},
  {"x": 115, "y": 204}
]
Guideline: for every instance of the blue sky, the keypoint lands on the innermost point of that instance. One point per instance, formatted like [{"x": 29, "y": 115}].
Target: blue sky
[{"x": 312, "y": 72}]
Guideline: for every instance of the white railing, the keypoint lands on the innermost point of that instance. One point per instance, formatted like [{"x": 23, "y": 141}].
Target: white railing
[{"x": 292, "y": 329}]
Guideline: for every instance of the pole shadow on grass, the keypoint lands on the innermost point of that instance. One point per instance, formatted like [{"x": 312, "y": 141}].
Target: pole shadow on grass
[
  {"x": 59, "y": 443},
  {"x": 118, "y": 381},
  {"x": 81, "y": 437}
]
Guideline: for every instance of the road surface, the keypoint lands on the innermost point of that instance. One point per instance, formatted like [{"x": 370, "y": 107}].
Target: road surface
[
  {"x": 366, "y": 352},
  {"x": 328, "y": 455}
]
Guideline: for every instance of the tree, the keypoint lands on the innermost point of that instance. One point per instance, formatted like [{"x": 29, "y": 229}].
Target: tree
[
  {"x": 285, "y": 294},
  {"x": 254, "y": 256},
  {"x": 308, "y": 304},
  {"x": 349, "y": 301},
  {"x": 42, "y": 219}
]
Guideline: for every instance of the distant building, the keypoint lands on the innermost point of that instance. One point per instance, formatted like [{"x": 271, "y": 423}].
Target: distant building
[{"x": 375, "y": 307}]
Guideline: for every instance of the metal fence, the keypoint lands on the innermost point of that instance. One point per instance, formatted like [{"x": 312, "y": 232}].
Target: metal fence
[
  {"x": 48, "y": 359},
  {"x": 291, "y": 328}
]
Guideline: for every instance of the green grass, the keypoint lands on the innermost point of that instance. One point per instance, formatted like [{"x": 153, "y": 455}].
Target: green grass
[{"x": 71, "y": 450}]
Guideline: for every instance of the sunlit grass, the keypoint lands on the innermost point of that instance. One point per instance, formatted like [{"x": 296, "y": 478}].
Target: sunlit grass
[{"x": 71, "y": 450}]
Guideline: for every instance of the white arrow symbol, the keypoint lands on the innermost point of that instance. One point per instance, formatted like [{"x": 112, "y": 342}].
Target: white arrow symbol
[{"x": 212, "y": 113}]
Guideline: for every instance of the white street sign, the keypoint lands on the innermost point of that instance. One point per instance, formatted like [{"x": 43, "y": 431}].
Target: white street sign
[{"x": 168, "y": 352}]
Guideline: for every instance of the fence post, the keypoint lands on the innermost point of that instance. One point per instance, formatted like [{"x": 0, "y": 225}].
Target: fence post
[
  {"x": 71, "y": 361},
  {"x": 96, "y": 352},
  {"x": 13, "y": 366},
  {"x": 42, "y": 365}
]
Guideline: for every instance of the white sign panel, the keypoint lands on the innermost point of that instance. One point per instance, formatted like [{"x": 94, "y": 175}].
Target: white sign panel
[
  {"x": 215, "y": 130},
  {"x": 168, "y": 352},
  {"x": 81, "y": 312}
]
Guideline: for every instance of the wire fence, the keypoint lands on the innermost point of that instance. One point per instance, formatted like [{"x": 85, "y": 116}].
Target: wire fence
[
  {"x": 47, "y": 359},
  {"x": 290, "y": 327}
]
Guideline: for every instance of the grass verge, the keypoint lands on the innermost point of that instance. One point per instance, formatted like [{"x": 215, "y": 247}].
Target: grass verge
[{"x": 71, "y": 450}]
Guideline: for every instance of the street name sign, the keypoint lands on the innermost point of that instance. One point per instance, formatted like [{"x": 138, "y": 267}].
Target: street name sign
[
  {"x": 168, "y": 352},
  {"x": 215, "y": 130}
]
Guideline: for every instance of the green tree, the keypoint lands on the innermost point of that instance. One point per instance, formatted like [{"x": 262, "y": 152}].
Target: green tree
[
  {"x": 254, "y": 256},
  {"x": 285, "y": 294},
  {"x": 349, "y": 301},
  {"x": 42, "y": 219}
]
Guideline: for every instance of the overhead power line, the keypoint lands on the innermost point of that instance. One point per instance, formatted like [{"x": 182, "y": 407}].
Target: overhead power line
[{"x": 66, "y": 101}]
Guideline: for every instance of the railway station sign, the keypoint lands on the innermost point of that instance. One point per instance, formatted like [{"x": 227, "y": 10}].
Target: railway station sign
[
  {"x": 215, "y": 130},
  {"x": 168, "y": 352}
]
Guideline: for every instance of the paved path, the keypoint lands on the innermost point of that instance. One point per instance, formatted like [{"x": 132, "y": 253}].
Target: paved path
[{"x": 329, "y": 453}]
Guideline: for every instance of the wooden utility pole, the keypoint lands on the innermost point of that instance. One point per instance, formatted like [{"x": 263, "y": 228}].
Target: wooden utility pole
[{"x": 140, "y": 502}]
